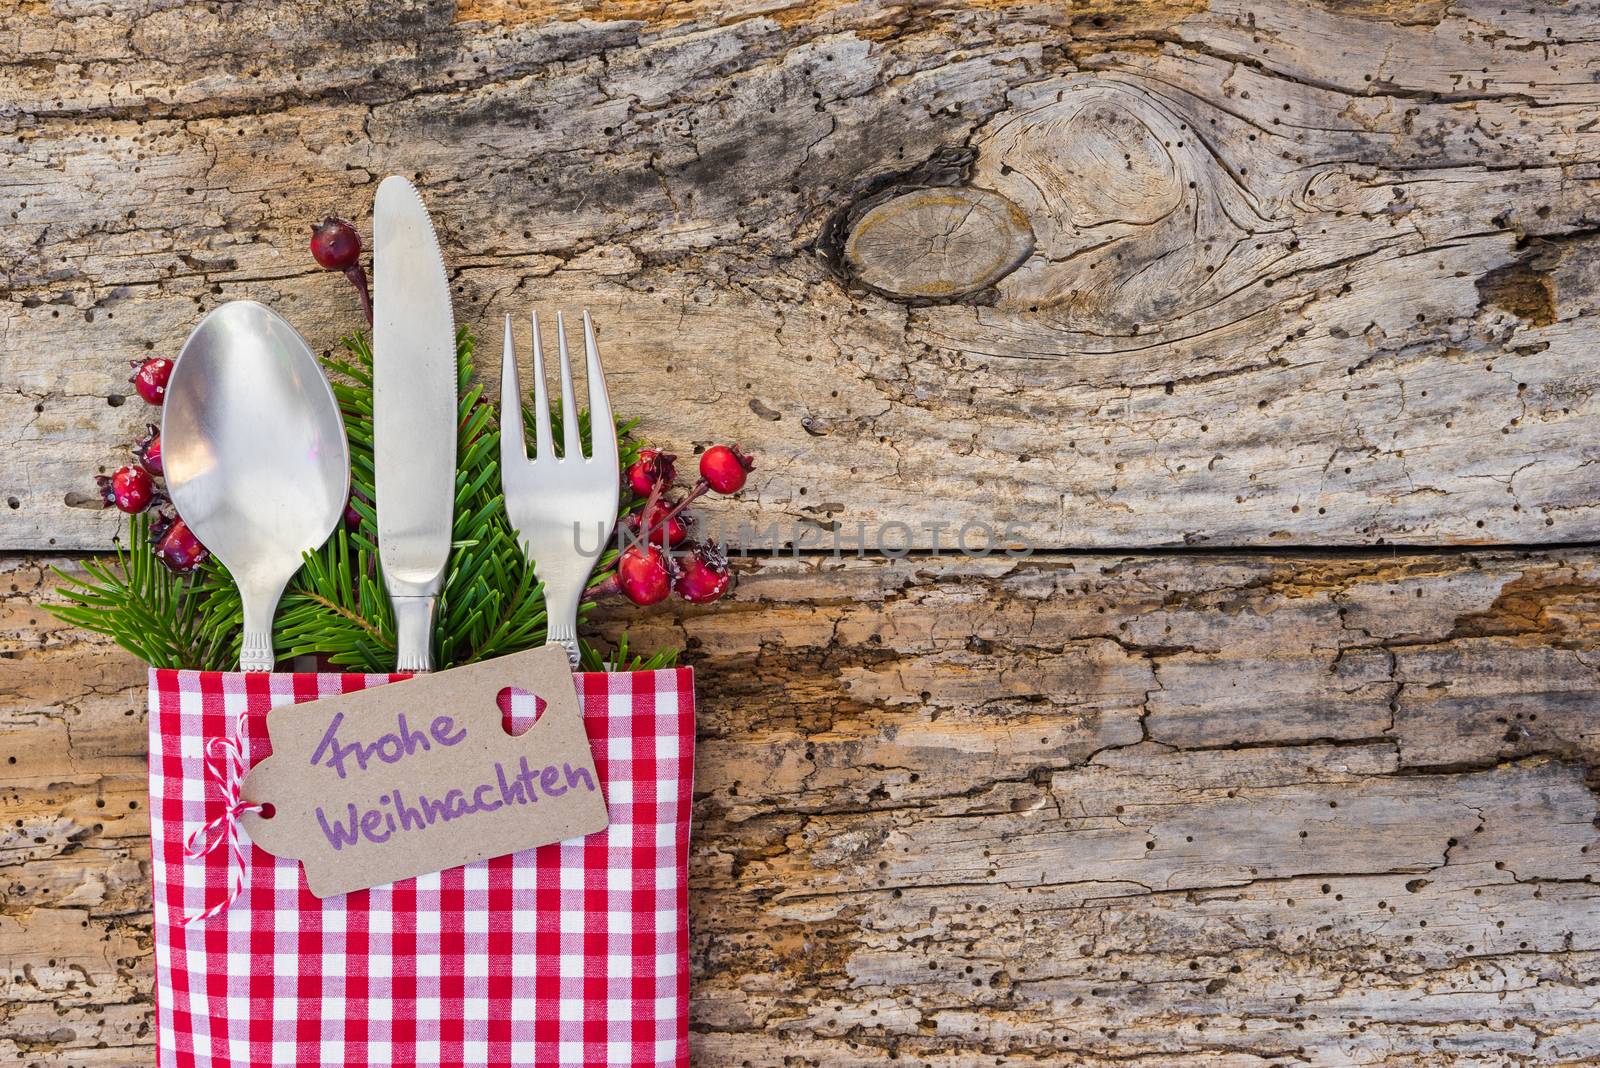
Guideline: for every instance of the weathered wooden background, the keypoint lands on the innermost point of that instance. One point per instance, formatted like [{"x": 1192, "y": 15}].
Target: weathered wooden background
[{"x": 1274, "y": 325}]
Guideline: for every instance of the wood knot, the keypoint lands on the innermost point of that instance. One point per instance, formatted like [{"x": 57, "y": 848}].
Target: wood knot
[
  {"x": 938, "y": 244},
  {"x": 1091, "y": 207}
]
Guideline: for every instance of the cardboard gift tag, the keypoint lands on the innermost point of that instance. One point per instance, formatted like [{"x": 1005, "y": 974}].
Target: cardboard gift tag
[{"x": 418, "y": 776}]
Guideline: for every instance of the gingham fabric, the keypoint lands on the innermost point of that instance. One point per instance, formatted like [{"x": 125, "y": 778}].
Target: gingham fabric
[{"x": 572, "y": 953}]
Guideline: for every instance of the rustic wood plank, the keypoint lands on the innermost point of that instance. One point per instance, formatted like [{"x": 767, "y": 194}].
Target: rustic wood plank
[
  {"x": 1297, "y": 273},
  {"x": 1300, "y": 273},
  {"x": 1234, "y": 810}
]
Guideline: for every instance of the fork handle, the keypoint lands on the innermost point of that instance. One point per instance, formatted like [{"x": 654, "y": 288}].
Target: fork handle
[
  {"x": 413, "y": 625},
  {"x": 569, "y": 642},
  {"x": 561, "y": 620}
]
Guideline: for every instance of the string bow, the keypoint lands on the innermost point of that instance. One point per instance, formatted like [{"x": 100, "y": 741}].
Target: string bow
[{"x": 224, "y": 765}]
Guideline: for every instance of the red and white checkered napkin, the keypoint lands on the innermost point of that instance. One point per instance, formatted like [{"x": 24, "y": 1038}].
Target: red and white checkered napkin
[{"x": 572, "y": 953}]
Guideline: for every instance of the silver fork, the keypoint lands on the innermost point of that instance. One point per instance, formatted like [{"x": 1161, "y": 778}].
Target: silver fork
[{"x": 563, "y": 508}]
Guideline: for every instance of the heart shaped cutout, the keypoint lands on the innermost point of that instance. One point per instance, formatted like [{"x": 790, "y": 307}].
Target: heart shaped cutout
[{"x": 519, "y": 709}]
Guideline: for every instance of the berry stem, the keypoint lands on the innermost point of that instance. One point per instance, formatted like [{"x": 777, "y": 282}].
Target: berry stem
[
  {"x": 664, "y": 523},
  {"x": 650, "y": 506},
  {"x": 609, "y": 586},
  {"x": 699, "y": 490},
  {"x": 358, "y": 278}
]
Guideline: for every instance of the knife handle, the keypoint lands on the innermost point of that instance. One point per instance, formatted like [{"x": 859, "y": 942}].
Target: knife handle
[{"x": 413, "y": 638}]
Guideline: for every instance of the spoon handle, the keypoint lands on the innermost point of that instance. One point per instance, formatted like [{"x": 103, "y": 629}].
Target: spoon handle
[{"x": 255, "y": 654}]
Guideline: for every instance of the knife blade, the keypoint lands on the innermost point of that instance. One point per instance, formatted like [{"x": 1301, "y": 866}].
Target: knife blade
[{"x": 413, "y": 414}]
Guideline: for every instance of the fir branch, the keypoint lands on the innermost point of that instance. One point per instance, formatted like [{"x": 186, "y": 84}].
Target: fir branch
[
  {"x": 167, "y": 620},
  {"x": 336, "y": 606}
]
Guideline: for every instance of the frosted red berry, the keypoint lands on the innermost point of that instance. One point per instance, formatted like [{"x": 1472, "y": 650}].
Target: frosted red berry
[
  {"x": 149, "y": 378},
  {"x": 724, "y": 468},
  {"x": 652, "y": 468},
  {"x": 704, "y": 575},
  {"x": 148, "y": 450},
  {"x": 643, "y": 574},
  {"x": 176, "y": 546},
  {"x": 335, "y": 244},
  {"x": 654, "y": 518},
  {"x": 129, "y": 488}
]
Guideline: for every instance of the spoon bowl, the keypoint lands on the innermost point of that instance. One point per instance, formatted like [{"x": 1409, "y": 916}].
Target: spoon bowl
[{"x": 255, "y": 456}]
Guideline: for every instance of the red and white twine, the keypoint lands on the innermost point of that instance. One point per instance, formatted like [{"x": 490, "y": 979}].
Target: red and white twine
[{"x": 225, "y": 765}]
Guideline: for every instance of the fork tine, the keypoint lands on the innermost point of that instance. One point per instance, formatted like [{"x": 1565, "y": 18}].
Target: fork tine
[
  {"x": 544, "y": 448},
  {"x": 513, "y": 439},
  {"x": 602, "y": 428},
  {"x": 571, "y": 443}
]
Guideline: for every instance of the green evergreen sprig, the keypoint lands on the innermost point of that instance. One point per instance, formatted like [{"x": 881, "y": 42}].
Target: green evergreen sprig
[
  {"x": 336, "y": 607},
  {"x": 165, "y": 619}
]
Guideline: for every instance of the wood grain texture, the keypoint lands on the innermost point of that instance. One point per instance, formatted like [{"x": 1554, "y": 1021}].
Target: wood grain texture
[
  {"x": 1235, "y": 274},
  {"x": 1300, "y": 273},
  {"x": 1093, "y": 809}
]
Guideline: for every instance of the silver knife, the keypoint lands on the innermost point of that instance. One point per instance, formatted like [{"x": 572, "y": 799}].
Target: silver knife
[{"x": 413, "y": 414}]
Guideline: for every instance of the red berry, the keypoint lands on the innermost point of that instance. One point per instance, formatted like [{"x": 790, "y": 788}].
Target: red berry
[
  {"x": 150, "y": 378},
  {"x": 704, "y": 576},
  {"x": 652, "y": 518},
  {"x": 643, "y": 575},
  {"x": 129, "y": 488},
  {"x": 352, "y": 518},
  {"x": 651, "y": 468},
  {"x": 176, "y": 546},
  {"x": 148, "y": 451},
  {"x": 335, "y": 245},
  {"x": 724, "y": 468}
]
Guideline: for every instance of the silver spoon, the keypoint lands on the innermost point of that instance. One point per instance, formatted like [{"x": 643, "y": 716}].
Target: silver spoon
[{"x": 255, "y": 456}]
